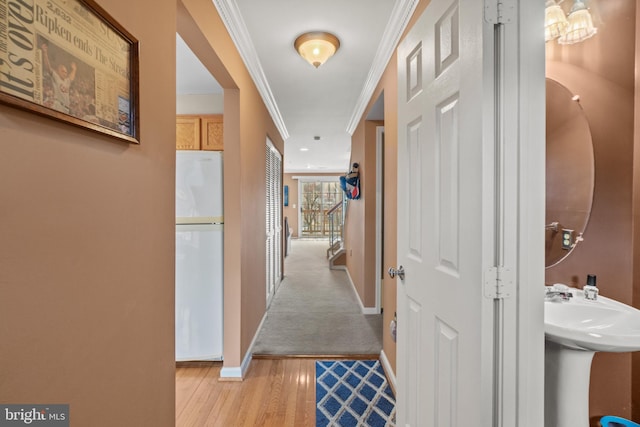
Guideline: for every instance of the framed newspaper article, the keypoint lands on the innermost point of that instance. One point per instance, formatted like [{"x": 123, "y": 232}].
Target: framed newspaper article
[{"x": 69, "y": 60}]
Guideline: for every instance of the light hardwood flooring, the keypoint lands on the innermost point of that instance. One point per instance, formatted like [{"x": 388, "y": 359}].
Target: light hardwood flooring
[{"x": 276, "y": 392}]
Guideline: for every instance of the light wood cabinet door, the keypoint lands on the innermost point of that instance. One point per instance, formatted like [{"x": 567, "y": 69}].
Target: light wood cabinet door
[
  {"x": 212, "y": 133},
  {"x": 187, "y": 133}
]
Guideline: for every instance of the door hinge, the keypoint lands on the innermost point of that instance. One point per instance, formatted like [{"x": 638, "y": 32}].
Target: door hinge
[
  {"x": 498, "y": 282},
  {"x": 499, "y": 11}
]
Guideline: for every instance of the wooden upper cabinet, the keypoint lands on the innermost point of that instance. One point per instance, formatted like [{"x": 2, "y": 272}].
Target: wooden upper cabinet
[
  {"x": 199, "y": 133},
  {"x": 212, "y": 132},
  {"x": 187, "y": 133}
]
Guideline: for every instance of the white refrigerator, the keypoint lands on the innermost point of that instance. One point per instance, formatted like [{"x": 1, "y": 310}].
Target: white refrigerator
[{"x": 199, "y": 255}]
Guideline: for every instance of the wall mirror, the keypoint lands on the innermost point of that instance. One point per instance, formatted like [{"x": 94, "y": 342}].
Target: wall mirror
[{"x": 570, "y": 171}]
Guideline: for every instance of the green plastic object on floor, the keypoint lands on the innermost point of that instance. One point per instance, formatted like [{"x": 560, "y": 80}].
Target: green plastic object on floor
[{"x": 611, "y": 421}]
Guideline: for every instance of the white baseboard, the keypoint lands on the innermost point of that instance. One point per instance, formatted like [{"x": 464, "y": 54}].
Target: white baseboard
[
  {"x": 363, "y": 309},
  {"x": 237, "y": 373},
  {"x": 391, "y": 376}
]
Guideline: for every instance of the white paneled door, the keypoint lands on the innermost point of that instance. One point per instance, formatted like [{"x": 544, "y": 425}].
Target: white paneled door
[{"x": 457, "y": 361}]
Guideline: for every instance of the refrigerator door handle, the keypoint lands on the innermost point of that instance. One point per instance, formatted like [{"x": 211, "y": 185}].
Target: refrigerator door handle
[{"x": 199, "y": 220}]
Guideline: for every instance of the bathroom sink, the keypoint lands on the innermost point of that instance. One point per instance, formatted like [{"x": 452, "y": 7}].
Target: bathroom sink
[
  {"x": 576, "y": 328},
  {"x": 601, "y": 325}
]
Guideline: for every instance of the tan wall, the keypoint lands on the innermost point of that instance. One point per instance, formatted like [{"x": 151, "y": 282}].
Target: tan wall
[
  {"x": 291, "y": 211},
  {"x": 601, "y": 71},
  {"x": 360, "y": 230},
  {"x": 87, "y": 254},
  {"x": 635, "y": 358},
  {"x": 247, "y": 125},
  {"x": 354, "y": 234}
]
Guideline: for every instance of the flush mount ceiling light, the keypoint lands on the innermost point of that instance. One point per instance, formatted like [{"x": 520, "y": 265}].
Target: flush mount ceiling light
[
  {"x": 316, "y": 47},
  {"x": 555, "y": 21},
  {"x": 580, "y": 25}
]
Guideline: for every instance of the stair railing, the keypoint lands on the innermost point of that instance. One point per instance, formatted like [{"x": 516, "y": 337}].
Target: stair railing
[{"x": 336, "y": 217}]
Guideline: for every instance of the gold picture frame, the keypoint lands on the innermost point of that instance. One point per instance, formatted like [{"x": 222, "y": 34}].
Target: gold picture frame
[{"x": 71, "y": 61}]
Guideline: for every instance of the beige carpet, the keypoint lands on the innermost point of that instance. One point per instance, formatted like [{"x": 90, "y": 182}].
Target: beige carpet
[{"x": 316, "y": 311}]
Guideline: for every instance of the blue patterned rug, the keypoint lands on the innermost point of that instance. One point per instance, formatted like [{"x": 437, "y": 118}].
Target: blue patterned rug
[{"x": 353, "y": 393}]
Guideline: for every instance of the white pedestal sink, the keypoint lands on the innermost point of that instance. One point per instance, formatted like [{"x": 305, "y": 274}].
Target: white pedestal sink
[{"x": 574, "y": 331}]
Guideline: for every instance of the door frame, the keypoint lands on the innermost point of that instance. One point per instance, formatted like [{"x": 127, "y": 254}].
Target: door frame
[{"x": 379, "y": 215}]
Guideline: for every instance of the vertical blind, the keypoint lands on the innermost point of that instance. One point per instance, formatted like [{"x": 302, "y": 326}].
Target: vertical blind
[{"x": 273, "y": 170}]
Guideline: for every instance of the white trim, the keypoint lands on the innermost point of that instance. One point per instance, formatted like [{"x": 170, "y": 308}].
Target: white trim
[
  {"x": 319, "y": 170},
  {"x": 388, "y": 371},
  {"x": 298, "y": 209},
  {"x": 369, "y": 310},
  {"x": 530, "y": 72},
  {"x": 273, "y": 148},
  {"x": 230, "y": 15},
  {"x": 363, "y": 309},
  {"x": 400, "y": 15},
  {"x": 238, "y": 372},
  {"x": 308, "y": 178},
  {"x": 379, "y": 193}
]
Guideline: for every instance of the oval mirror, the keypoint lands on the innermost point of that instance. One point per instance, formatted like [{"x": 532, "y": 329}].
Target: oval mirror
[{"x": 570, "y": 172}]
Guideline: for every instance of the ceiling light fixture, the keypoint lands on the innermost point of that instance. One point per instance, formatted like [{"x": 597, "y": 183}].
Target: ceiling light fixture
[
  {"x": 580, "y": 25},
  {"x": 555, "y": 21},
  {"x": 316, "y": 47}
]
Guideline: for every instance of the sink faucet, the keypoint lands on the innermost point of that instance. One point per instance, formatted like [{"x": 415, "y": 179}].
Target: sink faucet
[{"x": 552, "y": 294}]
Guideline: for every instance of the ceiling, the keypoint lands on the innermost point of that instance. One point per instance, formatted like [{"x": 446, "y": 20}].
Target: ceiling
[{"x": 304, "y": 102}]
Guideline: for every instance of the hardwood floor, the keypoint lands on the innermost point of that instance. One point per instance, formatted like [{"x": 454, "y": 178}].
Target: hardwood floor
[{"x": 275, "y": 392}]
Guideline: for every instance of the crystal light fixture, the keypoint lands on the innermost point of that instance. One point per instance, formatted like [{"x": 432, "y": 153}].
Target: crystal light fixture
[
  {"x": 580, "y": 25},
  {"x": 316, "y": 47},
  {"x": 555, "y": 21}
]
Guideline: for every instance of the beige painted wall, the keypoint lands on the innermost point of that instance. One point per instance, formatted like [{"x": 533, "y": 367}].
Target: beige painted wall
[
  {"x": 601, "y": 71},
  {"x": 360, "y": 229},
  {"x": 247, "y": 124},
  {"x": 87, "y": 260},
  {"x": 635, "y": 358},
  {"x": 291, "y": 211},
  {"x": 354, "y": 229},
  {"x": 87, "y": 253}
]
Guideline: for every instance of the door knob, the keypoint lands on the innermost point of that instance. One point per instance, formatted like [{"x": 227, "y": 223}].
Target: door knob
[{"x": 399, "y": 272}]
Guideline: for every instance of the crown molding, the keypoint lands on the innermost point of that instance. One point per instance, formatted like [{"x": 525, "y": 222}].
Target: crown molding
[
  {"x": 230, "y": 14},
  {"x": 400, "y": 16}
]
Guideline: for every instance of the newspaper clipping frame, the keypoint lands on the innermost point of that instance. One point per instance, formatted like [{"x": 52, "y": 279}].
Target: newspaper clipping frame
[{"x": 70, "y": 60}]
